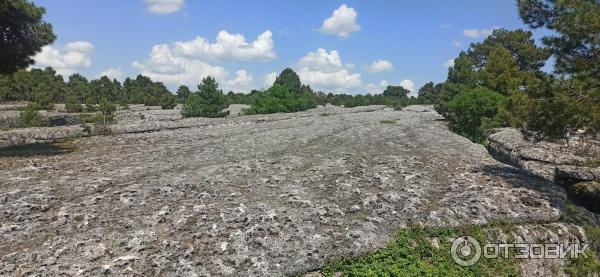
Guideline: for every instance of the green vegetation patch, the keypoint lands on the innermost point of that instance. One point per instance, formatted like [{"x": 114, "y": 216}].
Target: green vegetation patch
[
  {"x": 472, "y": 113},
  {"x": 421, "y": 251},
  {"x": 590, "y": 265},
  {"x": 209, "y": 101},
  {"x": 29, "y": 117},
  {"x": 583, "y": 266}
]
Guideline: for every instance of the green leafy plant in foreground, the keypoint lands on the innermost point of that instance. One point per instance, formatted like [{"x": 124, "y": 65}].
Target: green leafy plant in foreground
[
  {"x": 414, "y": 253},
  {"x": 583, "y": 266}
]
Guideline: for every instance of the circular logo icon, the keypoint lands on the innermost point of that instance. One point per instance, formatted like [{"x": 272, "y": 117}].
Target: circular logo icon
[{"x": 466, "y": 251}]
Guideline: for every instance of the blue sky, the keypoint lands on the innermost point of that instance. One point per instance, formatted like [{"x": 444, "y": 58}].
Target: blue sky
[{"x": 334, "y": 45}]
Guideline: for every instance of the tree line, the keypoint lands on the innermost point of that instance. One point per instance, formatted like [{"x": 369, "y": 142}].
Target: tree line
[
  {"x": 495, "y": 83},
  {"x": 500, "y": 82},
  {"x": 287, "y": 94},
  {"x": 37, "y": 85}
]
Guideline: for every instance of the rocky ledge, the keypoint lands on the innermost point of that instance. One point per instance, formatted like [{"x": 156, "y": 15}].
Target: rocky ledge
[
  {"x": 580, "y": 175},
  {"x": 255, "y": 196}
]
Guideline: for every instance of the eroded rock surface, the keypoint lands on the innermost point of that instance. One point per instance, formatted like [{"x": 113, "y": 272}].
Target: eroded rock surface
[
  {"x": 551, "y": 161},
  {"x": 261, "y": 195}
]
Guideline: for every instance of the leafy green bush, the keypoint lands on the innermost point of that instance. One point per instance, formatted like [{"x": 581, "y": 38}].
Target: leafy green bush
[
  {"x": 29, "y": 117},
  {"x": 473, "y": 113},
  {"x": 167, "y": 101},
  {"x": 208, "y": 102},
  {"x": 150, "y": 100},
  {"x": 549, "y": 112},
  {"x": 42, "y": 102},
  {"x": 72, "y": 104},
  {"x": 90, "y": 104},
  {"x": 196, "y": 106},
  {"x": 279, "y": 99},
  {"x": 107, "y": 110}
]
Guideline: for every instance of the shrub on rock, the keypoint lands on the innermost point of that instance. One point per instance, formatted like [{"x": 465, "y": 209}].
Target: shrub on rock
[
  {"x": 473, "y": 113},
  {"x": 42, "y": 102},
  {"x": 107, "y": 109},
  {"x": 167, "y": 101},
  {"x": 279, "y": 99},
  {"x": 72, "y": 104},
  {"x": 90, "y": 104},
  {"x": 29, "y": 117},
  {"x": 209, "y": 101}
]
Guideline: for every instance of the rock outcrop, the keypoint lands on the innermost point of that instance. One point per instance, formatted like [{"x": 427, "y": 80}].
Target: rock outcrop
[
  {"x": 265, "y": 195},
  {"x": 548, "y": 160},
  {"x": 552, "y": 162},
  {"x": 139, "y": 120},
  {"x": 8, "y": 119}
]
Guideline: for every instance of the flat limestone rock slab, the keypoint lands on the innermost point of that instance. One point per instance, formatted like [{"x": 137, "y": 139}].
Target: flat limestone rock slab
[{"x": 253, "y": 197}]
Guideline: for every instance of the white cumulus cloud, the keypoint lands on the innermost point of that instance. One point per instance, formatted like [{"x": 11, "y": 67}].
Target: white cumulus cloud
[
  {"x": 243, "y": 82},
  {"x": 449, "y": 63},
  {"x": 477, "y": 33},
  {"x": 321, "y": 60},
  {"x": 456, "y": 44},
  {"x": 324, "y": 70},
  {"x": 72, "y": 57},
  {"x": 377, "y": 88},
  {"x": 166, "y": 67},
  {"x": 409, "y": 85},
  {"x": 188, "y": 62},
  {"x": 380, "y": 66},
  {"x": 228, "y": 46},
  {"x": 164, "y": 6},
  {"x": 269, "y": 79},
  {"x": 112, "y": 73},
  {"x": 342, "y": 22}
]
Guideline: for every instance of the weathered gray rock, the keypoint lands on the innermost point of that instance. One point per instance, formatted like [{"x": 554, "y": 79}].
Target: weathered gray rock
[
  {"x": 13, "y": 106},
  {"x": 236, "y": 109},
  {"x": 39, "y": 135},
  {"x": 156, "y": 120},
  {"x": 264, "y": 195},
  {"x": 142, "y": 107},
  {"x": 127, "y": 116},
  {"x": 553, "y": 233},
  {"x": 547, "y": 160},
  {"x": 8, "y": 119}
]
